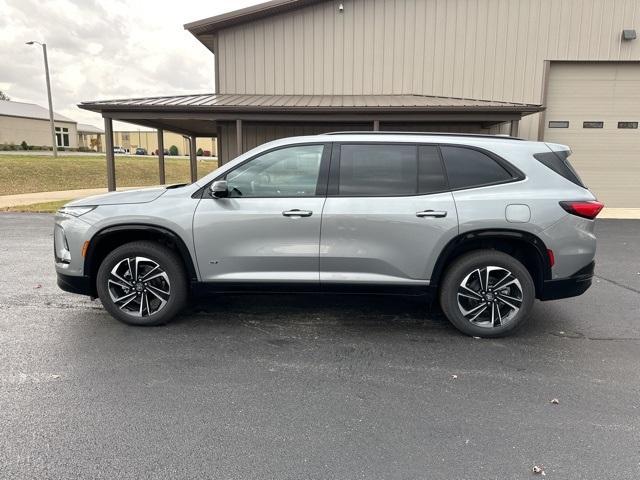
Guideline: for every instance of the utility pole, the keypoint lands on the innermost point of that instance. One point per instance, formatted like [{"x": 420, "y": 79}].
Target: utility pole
[{"x": 46, "y": 72}]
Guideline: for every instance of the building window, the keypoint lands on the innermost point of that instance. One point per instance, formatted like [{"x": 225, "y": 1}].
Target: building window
[
  {"x": 592, "y": 124},
  {"x": 558, "y": 124},
  {"x": 62, "y": 137},
  {"x": 627, "y": 124}
]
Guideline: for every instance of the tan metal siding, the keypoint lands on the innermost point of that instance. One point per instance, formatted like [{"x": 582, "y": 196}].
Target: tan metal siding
[
  {"x": 33, "y": 131},
  {"x": 606, "y": 158},
  {"x": 488, "y": 49}
]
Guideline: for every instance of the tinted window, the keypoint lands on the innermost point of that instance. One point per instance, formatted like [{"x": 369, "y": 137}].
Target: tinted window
[
  {"x": 559, "y": 163},
  {"x": 470, "y": 168},
  {"x": 378, "y": 170},
  {"x": 430, "y": 172},
  {"x": 287, "y": 172}
]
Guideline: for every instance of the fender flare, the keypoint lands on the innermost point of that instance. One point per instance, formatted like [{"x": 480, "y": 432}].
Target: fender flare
[
  {"x": 101, "y": 235},
  {"x": 492, "y": 234}
]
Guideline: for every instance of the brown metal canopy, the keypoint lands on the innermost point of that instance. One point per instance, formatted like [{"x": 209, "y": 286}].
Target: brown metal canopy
[
  {"x": 199, "y": 114},
  {"x": 249, "y": 103}
]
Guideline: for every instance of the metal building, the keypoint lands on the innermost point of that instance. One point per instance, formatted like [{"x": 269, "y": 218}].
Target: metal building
[{"x": 569, "y": 68}]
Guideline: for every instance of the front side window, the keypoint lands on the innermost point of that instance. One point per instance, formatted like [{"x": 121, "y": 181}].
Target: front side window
[
  {"x": 467, "y": 168},
  {"x": 378, "y": 170},
  {"x": 286, "y": 172}
]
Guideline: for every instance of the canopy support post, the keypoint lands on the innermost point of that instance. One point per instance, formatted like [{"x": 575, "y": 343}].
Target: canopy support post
[
  {"x": 161, "y": 170},
  {"x": 514, "y": 128},
  {"x": 111, "y": 164},
  {"x": 239, "y": 137},
  {"x": 193, "y": 160}
]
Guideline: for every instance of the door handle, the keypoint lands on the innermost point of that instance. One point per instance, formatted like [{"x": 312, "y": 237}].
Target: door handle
[
  {"x": 431, "y": 213},
  {"x": 297, "y": 213}
]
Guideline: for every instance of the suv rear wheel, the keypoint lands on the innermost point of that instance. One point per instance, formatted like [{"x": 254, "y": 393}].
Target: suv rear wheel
[
  {"x": 487, "y": 293},
  {"x": 142, "y": 283}
]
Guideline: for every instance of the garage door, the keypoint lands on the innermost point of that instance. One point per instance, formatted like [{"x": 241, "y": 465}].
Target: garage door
[{"x": 595, "y": 109}]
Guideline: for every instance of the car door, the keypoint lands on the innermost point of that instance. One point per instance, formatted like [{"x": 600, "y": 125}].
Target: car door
[
  {"x": 268, "y": 228},
  {"x": 387, "y": 216}
]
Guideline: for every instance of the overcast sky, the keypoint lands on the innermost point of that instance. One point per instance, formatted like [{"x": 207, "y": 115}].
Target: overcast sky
[{"x": 103, "y": 49}]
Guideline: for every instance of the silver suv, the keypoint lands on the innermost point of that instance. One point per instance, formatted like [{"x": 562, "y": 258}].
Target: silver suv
[{"x": 482, "y": 224}]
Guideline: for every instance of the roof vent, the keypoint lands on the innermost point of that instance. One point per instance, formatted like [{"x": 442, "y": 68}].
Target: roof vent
[{"x": 628, "y": 34}]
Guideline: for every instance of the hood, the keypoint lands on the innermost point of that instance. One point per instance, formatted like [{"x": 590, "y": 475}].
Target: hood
[{"x": 143, "y": 195}]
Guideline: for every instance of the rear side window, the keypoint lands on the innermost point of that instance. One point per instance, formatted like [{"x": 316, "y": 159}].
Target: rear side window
[
  {"x": 378, "y": 170},
  {"x": 559, "y": 163},
  {"x": 467, "y": 168},
  {"x": 431, "y": 176}
]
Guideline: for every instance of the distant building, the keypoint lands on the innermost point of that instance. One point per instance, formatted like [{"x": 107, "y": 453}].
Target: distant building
[
  {"x": 132, "y": 139},
  {"x": 29, "y": 122},
  {"x": 90, "y": 137}
]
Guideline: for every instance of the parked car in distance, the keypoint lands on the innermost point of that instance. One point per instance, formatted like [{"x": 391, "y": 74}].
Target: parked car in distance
[
  {"x": 141, "y": 151},
  {"x": 166, "y": 152},
  {"x": 483, "y": 225},
  {"x": 119, "y": 150}
]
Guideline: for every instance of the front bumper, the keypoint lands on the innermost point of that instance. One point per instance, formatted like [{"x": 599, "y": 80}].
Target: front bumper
[
  {"x": 572, "y": 286},
  {"x": 75, "y": 284}
]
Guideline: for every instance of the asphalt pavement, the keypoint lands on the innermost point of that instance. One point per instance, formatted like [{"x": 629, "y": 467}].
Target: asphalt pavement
[{"x": 315, "y": 387}]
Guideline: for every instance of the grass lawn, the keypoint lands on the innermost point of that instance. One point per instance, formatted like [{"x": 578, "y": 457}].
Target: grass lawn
[
  {"x": 27, "y": 174},
  {"x": 46, "y": 207}
]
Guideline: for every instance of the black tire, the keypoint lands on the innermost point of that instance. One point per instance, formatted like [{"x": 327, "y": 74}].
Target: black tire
[
  {"x": 167, "y": 261},
  {"x": 467, "y": 267}
]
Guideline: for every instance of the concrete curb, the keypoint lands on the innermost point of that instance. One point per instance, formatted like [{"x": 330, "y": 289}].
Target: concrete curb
[{"x": 620, "y": 213}]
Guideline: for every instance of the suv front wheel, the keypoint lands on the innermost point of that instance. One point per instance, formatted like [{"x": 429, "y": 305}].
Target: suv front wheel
[
  {"x": 142, "y": 283},
  {"x": 487, "y": 293}
]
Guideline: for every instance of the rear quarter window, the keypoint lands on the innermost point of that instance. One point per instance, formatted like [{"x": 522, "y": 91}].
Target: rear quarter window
[
  {"x": 559, "y": 163},
  {"x": 468, "y": 168}
]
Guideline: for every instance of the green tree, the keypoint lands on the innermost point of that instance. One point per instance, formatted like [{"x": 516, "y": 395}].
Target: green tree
[
  {"x": 4, "y": 96},
  {"x": 173, "y": 150},
  {"x": 24, "y": 145},
  {"x": 199, "y": 152}
]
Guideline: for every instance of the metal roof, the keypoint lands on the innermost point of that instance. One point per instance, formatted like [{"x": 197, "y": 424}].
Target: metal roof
[
  {"x": 248, "y": 103},
  {"x": 243, "y": 15},
  {"x": 29, "y": 110},
  {"x": 86, "y": 128}
]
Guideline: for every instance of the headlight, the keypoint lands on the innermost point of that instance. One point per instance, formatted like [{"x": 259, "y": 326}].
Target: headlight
[
  {"x": 76, "y": 211},
  {"x": 61, "y": 246}
]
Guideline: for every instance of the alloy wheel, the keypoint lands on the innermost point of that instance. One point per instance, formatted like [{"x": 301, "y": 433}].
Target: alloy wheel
[
  {"x": 490, "y": 296},
  {"x": 139, "y": 286}
]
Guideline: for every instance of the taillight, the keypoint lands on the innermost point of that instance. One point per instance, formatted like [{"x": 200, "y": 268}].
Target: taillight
[
  {"x": 552, "y": 257},
  {"x": 588, "y": 210}
]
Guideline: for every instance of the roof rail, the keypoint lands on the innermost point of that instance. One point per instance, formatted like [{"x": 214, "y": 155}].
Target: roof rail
[{"x": 438, "y": 134}]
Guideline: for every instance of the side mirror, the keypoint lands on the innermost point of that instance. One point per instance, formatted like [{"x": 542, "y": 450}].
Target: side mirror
[{"x": 219, "y": 189}]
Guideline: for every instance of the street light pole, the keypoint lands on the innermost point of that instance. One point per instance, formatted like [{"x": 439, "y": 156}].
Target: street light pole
[{"x": 46, "y": 72}]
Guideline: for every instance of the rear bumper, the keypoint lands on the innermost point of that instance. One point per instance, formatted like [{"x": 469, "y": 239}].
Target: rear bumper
[
  {"x": 572, "y": 286},
  {"x": 75, "y": 284}
]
